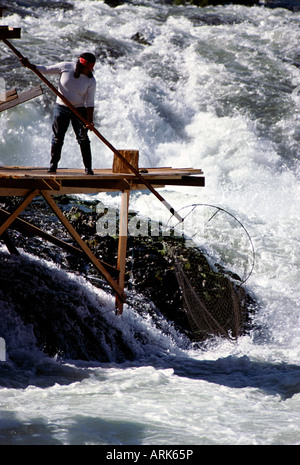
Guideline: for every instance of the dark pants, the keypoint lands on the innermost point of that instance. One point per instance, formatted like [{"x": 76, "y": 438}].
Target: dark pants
[{"x": 61, "y": 120}]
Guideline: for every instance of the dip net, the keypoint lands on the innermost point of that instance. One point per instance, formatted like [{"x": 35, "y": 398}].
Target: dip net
[
  {"x": 214, "y": 306},
  {"x": 211, "y": 277}
]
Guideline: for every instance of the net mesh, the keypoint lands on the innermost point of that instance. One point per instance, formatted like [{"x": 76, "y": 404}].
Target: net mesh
[
  {"x": 214, "y": 300},
  {"x": 214, "y": 305}
]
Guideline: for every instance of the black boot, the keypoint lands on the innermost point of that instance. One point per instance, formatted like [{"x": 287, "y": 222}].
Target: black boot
[
  {"x": 55, "y": 157},
  {"x": 85, "y": 148},
  {"x": 52, "y": 168}
]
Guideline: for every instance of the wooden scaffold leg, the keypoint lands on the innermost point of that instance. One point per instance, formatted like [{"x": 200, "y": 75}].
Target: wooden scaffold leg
[
  {"x": 131, "y": 156},
  {"x": 122, "y": 247}
]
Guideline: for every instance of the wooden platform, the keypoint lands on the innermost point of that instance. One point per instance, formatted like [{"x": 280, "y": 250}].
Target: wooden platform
[{"x": 18, "y": 181}]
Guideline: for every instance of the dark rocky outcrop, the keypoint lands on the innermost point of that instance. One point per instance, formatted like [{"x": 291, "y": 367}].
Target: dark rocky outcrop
[
  {"x": 54, "y": 313},
  {"x": 164, "y": 278}
]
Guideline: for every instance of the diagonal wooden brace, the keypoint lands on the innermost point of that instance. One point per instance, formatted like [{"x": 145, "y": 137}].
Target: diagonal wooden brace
[
  {"x": 17, "y": 211},
  {"x": 24, "y": 226},
  {"x": 83, "y": 245}
]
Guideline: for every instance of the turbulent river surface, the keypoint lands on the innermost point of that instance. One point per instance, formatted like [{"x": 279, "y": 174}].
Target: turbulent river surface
[{"x": 214, "y": 88}]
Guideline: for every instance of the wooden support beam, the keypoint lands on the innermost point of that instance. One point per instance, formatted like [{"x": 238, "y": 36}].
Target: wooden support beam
[
  {"x": 132, "y": 157},
  {"x": 28, "y": 199},
  {"x": 21, "y": 98},
  {"x": 83, "y": 245},
  {"x": 122, "y": 246}
]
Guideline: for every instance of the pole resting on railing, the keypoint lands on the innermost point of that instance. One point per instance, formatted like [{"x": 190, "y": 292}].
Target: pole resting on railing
[{"x": 95, "y": 131}]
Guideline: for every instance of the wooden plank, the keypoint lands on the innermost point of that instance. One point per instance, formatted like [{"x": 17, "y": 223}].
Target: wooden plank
[
  {"x": 18, "y": 180},
  {"x": 83, "y": 180},
  {"x": 23, "y": 97},
  {"x": 83, "y": 245},
  {"x": 76, "y": 173}
]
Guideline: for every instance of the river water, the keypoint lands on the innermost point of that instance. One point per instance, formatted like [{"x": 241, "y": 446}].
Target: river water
[{"x": 212, "y": 88}]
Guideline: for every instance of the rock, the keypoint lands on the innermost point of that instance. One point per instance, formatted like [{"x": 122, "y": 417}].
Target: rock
[
  {"x": 115, "y": 3},
  {"x": 138, "y": 37},
  {"x": 178, "y": 280},
  {"x": 200, "y": 299},
  {"x": 44, "y": 307}
]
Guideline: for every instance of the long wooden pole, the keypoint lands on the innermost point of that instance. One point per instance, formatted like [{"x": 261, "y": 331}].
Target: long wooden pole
[{"x": 96, "y": 132}]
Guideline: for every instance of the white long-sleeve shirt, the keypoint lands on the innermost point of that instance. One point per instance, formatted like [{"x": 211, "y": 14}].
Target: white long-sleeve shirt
[{"x": 79, "y": 91}]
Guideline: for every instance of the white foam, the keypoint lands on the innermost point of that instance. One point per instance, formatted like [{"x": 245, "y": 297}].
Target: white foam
[{"x": 212, "y": 97}]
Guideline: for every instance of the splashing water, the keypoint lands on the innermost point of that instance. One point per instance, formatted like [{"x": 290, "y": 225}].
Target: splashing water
[{"x": 213, "y": 89}]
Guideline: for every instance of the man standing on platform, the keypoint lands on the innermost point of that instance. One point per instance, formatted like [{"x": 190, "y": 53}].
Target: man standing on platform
[{"x": 78, "y": 85}]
